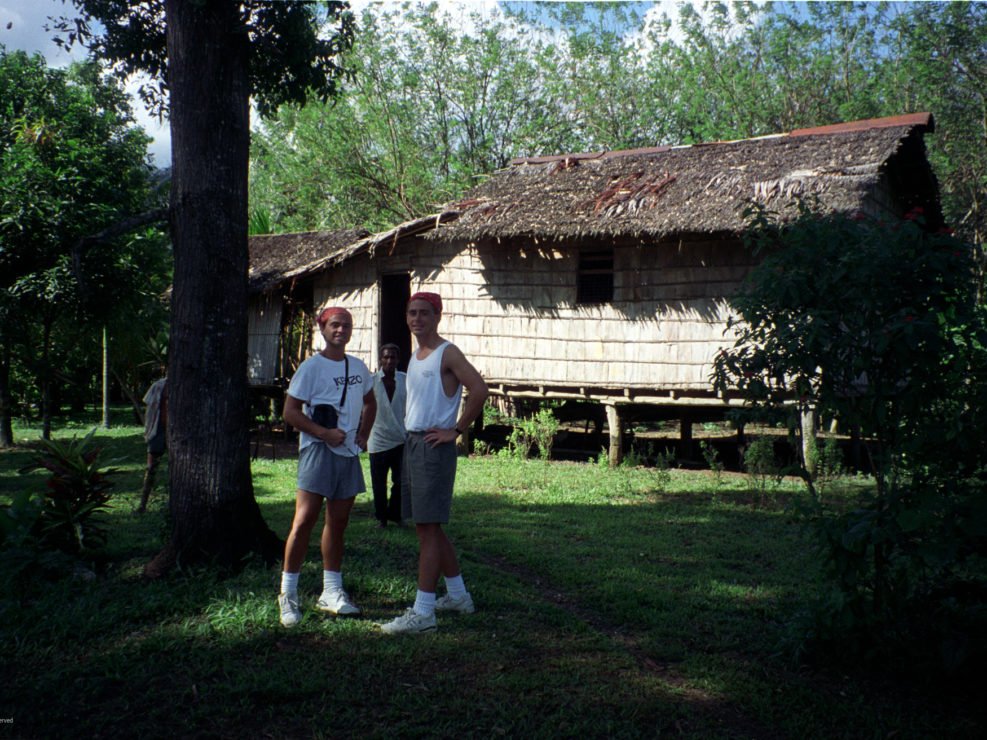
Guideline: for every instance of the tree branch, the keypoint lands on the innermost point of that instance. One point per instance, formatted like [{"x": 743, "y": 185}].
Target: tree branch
[{"x": 124, "y": 226}]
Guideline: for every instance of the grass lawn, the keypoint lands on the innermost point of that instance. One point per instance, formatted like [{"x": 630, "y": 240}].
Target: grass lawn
[{"x": 610, "y": 603}]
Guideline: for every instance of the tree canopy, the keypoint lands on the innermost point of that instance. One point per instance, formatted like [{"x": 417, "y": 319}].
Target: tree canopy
[
  {"x": 72, "y": 162},
  {"x": 437, "y": 101}
]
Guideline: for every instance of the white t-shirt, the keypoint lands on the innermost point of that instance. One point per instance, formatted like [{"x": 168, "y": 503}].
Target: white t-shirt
[
  {"x": 388, "y": 431},
  {"x": 321, "y": 380}
]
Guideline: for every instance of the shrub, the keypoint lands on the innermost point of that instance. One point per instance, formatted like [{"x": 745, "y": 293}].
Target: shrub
[
  {"x": 761, "y": 467},
  {"x": 713, "y": 461},
  {"x": 877, "y": 325},
  {"x": 536, "y": 431},
  {"x": 77, "y": 490}
]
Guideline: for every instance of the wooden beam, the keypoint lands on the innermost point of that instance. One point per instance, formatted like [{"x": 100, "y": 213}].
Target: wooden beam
[{"x": 615, "y": 426}]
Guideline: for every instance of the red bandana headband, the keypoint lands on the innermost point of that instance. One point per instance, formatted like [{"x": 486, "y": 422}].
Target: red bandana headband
[
  {"x": 327, "y": 313},
  {"x": 433, "y": 298}
]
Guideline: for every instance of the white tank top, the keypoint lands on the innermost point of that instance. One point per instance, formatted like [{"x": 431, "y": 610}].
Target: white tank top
[{"x": 427, "y": 406}]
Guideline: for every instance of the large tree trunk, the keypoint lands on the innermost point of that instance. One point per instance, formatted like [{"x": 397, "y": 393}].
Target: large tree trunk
[{"x": 215, "y": 517}]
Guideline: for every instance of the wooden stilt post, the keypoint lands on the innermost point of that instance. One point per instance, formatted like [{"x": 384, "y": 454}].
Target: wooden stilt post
[
  {"x": 616, "y": 435},
  {"x": 809, "y": 456},
  {"x": 685, "y": 436}
]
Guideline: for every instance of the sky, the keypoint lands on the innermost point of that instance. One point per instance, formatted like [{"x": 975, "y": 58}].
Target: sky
[{"x": 22, "y": 25}]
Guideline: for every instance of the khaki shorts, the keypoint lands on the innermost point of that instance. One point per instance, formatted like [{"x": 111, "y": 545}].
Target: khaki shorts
[{"x": 427, "y": 478}]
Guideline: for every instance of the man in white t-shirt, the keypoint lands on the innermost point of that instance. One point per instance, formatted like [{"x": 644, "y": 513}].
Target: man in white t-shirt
[
  {"x": 330, "y": 401},
  {"x": 437, "y": 374}
]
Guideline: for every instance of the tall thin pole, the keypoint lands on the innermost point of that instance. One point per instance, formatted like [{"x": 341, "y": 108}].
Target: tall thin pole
[{"x": 106, "y": 380}]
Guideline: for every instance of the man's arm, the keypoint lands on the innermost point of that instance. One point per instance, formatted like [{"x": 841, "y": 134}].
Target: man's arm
[
  {"x": 366, "y": 419},
  {"x": 294, "y": 414},
  {"x": 455, "y": 363}
]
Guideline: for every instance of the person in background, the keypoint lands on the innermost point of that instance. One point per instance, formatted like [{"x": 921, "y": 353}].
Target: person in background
[
  {"x": 386, "y": 443},
  {"x": 155, "y": 435},
  {"x": 437, "y": 373},
  {"x": 330, "y": 401}
]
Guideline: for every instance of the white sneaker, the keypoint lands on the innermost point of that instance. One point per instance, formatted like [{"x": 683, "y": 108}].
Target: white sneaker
[
  {"x": 463, "y": 605},
  {"x": 410, "y": 622},
  {"x": 338, "y": 603},
  {"x": 290, "y": 613}
]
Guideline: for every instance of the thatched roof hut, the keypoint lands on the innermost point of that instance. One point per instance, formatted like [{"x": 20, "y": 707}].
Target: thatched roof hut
[
  {"x": 668, "y": 192},
  {"x": 606, "y": 277}
]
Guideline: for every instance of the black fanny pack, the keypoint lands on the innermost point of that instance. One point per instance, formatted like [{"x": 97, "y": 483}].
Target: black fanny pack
[{"x": 325, "y": 414}]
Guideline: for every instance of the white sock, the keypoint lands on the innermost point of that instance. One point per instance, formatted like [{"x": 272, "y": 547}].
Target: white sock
[
  {"x": 425, "y": 604},
  {"x": 289, "y": 584},
  {"x": 455, "y": 586},
  {"x": 332, "y": 580}
]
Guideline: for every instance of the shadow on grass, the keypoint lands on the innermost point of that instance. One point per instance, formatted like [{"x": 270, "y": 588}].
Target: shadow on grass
[{"x": 602, "y": 613}]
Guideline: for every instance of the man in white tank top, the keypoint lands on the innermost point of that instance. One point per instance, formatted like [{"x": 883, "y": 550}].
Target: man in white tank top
[{"x": 437, "y": 373}]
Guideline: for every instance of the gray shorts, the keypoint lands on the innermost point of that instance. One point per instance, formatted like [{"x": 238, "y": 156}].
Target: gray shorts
[
  {"x": 157, "y": 444},
  {"x": 322, "y": 471},
  {"x": 427, "y": 476}
]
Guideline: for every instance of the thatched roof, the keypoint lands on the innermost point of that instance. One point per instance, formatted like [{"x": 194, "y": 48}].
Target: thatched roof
[
  {"x": 700, "y": 189},
  {"x": 276, "y": 258}
]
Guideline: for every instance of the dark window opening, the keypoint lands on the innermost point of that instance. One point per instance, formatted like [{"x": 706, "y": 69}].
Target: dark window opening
[
  {"x": 394, "y": 293},
  {"x": 595, "y": 279}
]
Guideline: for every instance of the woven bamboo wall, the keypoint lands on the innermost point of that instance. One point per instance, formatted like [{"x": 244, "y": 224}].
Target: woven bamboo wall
[
  {"x": 513, "y": 312},
  {"x": 353, "y": 286},
  {"x": 263, "y": 331}
]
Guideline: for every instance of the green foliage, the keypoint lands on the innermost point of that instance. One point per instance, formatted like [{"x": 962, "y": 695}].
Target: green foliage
[
  {"x": 876, "y": 324},
  {"x": 942, "y": 60},
  {"x": 661, "y": 475},
  {"x": 77, "y": 491},
  {"x": 72, "y": 164},
  {"x": 537, "y": 431},
  {"x": 713, "y": 461},
  {"x": 633, "y": 458},
  {"x": 491, "y": 415},
  {"x": 761, "y": 467},
  {"x": 435, "y": 98},
  {"x": 428, "y": 109},
  {"x": 21, "y": 552},
  {"x": 828, "y": 465},
  {"x": 879, "y": 326}
]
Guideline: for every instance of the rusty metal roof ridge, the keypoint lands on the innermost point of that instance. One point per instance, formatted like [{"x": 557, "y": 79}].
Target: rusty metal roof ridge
[{"x": 923, "y": 120}]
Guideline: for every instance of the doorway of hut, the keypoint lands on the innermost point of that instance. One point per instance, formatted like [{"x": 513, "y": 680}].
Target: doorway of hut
[{"x": 395, "y": 290}]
